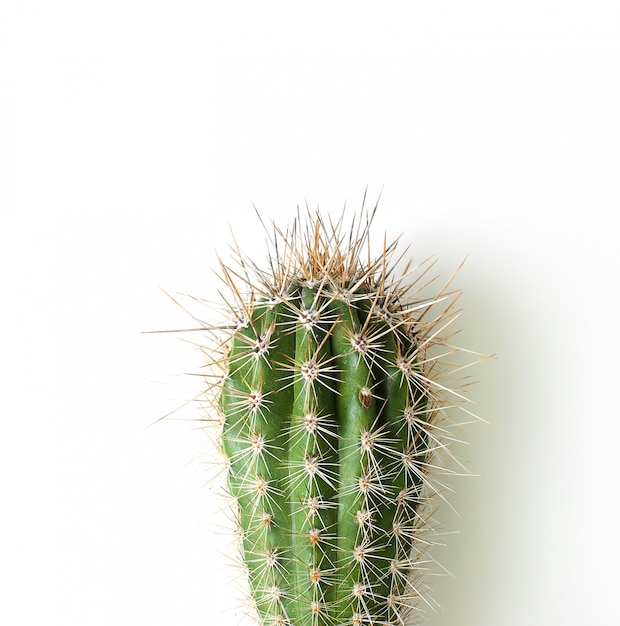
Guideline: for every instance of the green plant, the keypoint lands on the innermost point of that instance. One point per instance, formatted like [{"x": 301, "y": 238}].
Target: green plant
[{"x": 331, "y": 395}]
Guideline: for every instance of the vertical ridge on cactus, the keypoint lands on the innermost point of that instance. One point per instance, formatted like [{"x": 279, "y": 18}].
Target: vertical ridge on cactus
[{"x": 330, "y": 401}]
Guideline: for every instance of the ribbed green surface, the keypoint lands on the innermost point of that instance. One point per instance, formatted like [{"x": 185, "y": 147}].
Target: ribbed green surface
[{"x": 326, "y": 438}]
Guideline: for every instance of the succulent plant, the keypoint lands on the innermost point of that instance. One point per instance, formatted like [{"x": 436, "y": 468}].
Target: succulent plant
[{"x": 328, "y": 390}]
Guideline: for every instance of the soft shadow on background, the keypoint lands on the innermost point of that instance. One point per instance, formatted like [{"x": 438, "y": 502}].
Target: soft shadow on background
[{"x": 476, "y": 554}]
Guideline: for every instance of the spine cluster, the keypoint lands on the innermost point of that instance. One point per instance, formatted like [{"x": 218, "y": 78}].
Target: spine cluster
[{"x": 328, "y": 403}]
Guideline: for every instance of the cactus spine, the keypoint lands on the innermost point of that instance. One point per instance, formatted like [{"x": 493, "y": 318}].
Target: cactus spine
[{"x": 327, "y": 396}]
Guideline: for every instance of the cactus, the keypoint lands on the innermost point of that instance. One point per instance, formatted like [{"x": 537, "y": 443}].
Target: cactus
[{"x": 327, "y": 393}]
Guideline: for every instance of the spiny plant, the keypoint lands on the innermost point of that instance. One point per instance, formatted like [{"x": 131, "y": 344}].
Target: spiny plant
[{"x": 328, "y": 387}]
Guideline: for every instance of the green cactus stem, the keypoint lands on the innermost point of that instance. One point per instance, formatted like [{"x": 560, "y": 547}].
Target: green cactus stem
[{"x": 327, "y": 400}]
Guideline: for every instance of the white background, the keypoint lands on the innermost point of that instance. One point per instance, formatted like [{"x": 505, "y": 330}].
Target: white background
[{"x": 132, "y": 132}]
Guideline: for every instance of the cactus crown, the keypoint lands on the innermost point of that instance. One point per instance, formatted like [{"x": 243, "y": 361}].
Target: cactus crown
[{"x": 329, "y": 385}]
